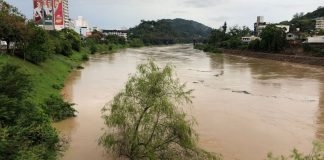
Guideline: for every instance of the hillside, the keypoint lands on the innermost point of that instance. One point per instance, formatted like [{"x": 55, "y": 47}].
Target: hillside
[
  {"x": 167, "y": 31},
  {"x": 306, "y": 22}
]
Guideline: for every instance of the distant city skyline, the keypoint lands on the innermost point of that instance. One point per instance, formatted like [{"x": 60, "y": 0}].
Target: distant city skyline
[{"x": 115, "y": 14}]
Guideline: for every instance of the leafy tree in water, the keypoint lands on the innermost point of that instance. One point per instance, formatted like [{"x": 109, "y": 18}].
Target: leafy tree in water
[{"x": 146, "y": 122}]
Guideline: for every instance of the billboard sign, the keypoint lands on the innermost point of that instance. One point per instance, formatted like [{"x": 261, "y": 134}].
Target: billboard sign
[
  {"x": 43, "y": 12},
  {"x": 48, "y": 12},
  {"x": 58, "y": 14},
  {"x": 38, "y": 11}
]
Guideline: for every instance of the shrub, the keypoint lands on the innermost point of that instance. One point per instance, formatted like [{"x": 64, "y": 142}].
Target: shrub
[
  {"x": 93, "y": 49},
  {"x": 136, "y": 43},
  {"x": 85, "y": 57},
  {"x": 57, "y": 109}
]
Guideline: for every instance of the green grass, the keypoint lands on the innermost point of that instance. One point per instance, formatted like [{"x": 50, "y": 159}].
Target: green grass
[{"x": 49, "y": 74}]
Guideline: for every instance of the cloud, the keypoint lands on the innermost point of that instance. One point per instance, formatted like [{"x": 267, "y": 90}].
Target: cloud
[{"x": 113, "y": 14}]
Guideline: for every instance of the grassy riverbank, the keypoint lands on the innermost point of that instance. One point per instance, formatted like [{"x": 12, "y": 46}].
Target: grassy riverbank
[{"x": 48, "y": 77}]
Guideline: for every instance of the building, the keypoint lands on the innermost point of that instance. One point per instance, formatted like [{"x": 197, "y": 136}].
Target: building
[
  {"x": 319, "y": 23},
  {"x": 121, "y": 33},
  {"x": 316, "y": 41},
  {"x": 259, "y": 25},
  {"x": 286, "y": 28},
  {"x": 66, "y": 14},
  {"x": 247, "y": 40}
]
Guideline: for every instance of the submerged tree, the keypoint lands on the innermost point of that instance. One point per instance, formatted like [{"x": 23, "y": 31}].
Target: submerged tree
[{"x": 146, "y": 122}]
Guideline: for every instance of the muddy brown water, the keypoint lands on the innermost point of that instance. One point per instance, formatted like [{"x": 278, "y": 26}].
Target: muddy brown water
[{"x": 245, "y": 107}]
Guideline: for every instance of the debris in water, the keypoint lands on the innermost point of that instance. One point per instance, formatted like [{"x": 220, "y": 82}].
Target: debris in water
[{"x": 245, "y": 92}]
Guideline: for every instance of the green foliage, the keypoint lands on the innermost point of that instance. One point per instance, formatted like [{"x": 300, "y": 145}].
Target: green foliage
[
  {"x": 321, "y": 32},
  {"x": 85, "y": 57},
  {"x": 316, "y": 154},
  {"x": 71, "y": 37},
  {"x": 38, "y": 45},
  {"x": 93, "y": 49},
  {"x": 273, "y": 39},
  {"x": 57, "y": 109},
  {"x": 114, "y": 39},
  {"x": 136, "y": 43},
  {"x": 25, "y": 132},
  {"x": 146, "y": 122},
  {"x": 255, "y": 45},
  {"x": 208, "y": 48},
  {"x": 166, "y": 31}
]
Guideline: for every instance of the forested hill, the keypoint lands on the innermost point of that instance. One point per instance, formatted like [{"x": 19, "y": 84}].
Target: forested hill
[
  {"x": 167, "y": 31},
  {"x": 306, "y": 22},
  {"x": 317, "y": 13}
]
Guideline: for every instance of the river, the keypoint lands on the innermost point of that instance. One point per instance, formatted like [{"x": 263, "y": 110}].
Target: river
[{"x": 245, "y": 107}]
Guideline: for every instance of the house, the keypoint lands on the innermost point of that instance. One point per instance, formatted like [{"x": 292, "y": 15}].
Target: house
[
  {"x": 247, "y": 40},
  {"x": 319, "y": 23},
  {"x": 316, "y": 41},
  {"x": 261, "y": 25},
  {"x": 120, "y": 33}
]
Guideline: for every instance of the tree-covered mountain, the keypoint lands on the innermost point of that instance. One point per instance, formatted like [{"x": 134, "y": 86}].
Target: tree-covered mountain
[
  {"x": 305, "y": 22},
  {"x": 167, "y": 31}
]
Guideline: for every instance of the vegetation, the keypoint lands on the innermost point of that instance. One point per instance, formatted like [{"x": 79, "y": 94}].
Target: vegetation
[
  {"x": 166, "y": 31},
  {"x": 145, "y": 121},
  {"x": 25, "y": 131},
  {"x": 316, "y": 154},
  {"x": 56, "y": 108}
]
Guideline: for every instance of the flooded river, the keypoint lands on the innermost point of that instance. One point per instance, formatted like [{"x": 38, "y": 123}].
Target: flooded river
[{"x": 245, "y": 107}]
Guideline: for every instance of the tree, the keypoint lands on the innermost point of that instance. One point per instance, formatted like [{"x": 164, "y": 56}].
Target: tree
[
  {"x": 224, "y": 27},
  {"x": 72, "y": 37},
  {"x": 216, "y": 36},
  {"x": 321, "y": 32},
  {"x": 273, "y": 39},
  {"x": 12, "y": 24},
  {"x": 39, "y": 46},
  {"x": 145, "y": 121}
]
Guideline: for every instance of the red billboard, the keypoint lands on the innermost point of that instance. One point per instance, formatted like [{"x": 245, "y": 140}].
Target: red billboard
[
  {"x": 58, "y": 14},
  {"x": 38, "y": 11}
]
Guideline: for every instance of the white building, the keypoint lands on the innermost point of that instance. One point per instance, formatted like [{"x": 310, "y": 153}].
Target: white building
[
  {"x": 247, "y": 40},
  {"x": 315, "y": 40},
  {"x": 319, "y": 23},
  {"x": 285, "y": 27},
  {"x": 121, "y": 33},
  {"x": 66, "y": 13}
]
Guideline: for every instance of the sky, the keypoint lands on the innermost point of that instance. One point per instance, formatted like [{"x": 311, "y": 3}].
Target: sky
[{"x": 116, "y": 14}]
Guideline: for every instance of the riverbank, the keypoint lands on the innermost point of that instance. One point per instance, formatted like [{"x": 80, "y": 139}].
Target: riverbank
[
  {"x": 319, "y": 61},
  {"x": 48, "y": 77}
]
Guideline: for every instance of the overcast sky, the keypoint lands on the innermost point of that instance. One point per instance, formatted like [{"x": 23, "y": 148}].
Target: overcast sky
[{"x": 114, "y": 14}]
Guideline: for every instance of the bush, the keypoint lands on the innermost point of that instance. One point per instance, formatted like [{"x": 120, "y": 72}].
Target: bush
[
  {"x": 93, "y": 49},
  {"x": 85, "y": 57},
  {"x": 136, "y": 43},
  {"x": 57, "y": 109},
  {"x": 66, "y": 48},
  {"x": 25, "y": 131},
  {"x": 316, "y": 154},
  {"x": 255, "y": 45}
]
